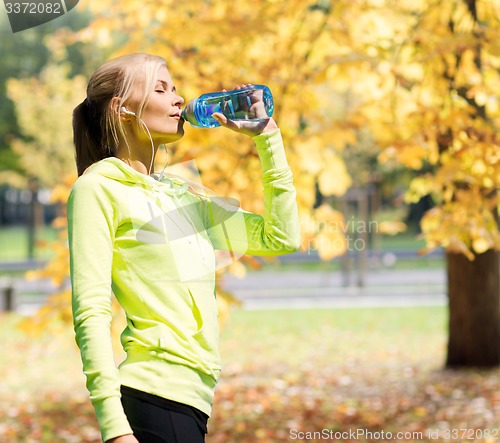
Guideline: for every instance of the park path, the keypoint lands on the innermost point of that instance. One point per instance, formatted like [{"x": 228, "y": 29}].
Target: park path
[
  {"x": 320, "y": 289},
  {"x": 301, "y": 289}
]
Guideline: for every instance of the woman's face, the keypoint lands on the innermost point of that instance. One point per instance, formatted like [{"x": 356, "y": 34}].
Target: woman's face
[{"x": 162, "y": 115}]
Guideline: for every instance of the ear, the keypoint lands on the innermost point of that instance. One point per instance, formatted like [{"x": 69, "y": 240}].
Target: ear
[{"x": 115, "y": 105}]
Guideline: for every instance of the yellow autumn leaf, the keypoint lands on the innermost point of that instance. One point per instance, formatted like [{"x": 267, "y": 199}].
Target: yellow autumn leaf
[
  {"x": 412, "y": 155},
  {"x": 420, "y": 412},
  {"x": 237, "y": 269},
  {"x": 326, "y": 214},
  {"x": 392, "y": 227},
  {"x": 480, "y": 245},
  {"x": 330, "y": 245},
  {"x": 311, "y": 159},
  {"x": 334, "y": 178},
  {"x": 419, "y": 187},
  {"x": 459, "y": 247}
]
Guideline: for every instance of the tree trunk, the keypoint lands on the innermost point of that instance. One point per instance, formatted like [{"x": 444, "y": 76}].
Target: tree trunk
[
  {"x": 474, "y": 309},
  {"x": 473, "y": 286}
]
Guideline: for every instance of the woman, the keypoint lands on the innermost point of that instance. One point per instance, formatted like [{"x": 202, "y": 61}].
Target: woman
[{"x": 151, "y": 242}]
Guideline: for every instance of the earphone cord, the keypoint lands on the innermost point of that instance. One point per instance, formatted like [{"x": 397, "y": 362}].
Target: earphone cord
[
  {"x": 152, "y": 145},
  {"x": 164, "y": 167}
]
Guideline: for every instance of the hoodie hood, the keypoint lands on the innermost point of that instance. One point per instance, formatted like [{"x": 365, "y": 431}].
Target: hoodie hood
[{"x": 116, "y": 169}]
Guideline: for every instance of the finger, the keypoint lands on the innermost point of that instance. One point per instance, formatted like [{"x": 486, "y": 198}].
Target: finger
[
  {"x": 224, "y": 121},
  {"x": 221, "y": 118}
]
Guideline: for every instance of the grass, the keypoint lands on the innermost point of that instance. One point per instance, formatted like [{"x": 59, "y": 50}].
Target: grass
[
  {"x": 14, "y": 243},
  {"x": 405, "y": 240},
  {"x": 332, "y": 336}
]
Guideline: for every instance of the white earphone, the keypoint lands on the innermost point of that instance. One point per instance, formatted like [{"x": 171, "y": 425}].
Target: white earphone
[{"x": 126, "y": 111}]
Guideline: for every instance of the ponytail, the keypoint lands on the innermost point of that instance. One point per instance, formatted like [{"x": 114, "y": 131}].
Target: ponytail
[{"x": 90, "y": 142}]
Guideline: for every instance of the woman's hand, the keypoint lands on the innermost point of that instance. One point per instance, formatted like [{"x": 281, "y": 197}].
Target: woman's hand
[
  {"x": 253, "y": 104},
  {"x": 129, "y": 438},
  {"x": 247, "y": 127}
]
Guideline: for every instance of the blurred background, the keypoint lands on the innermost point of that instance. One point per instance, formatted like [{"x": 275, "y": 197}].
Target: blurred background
[{"x": 385, "y": 326}]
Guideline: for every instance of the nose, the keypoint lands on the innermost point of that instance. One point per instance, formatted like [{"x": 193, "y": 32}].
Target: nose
[{"x": 178, "y": 100}]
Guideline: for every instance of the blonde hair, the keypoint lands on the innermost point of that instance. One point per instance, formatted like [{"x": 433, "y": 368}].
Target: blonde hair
[{"x": 97, "y": 129}]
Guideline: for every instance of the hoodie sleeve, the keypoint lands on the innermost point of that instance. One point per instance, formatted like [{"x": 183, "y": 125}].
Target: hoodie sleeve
[
  {"x": 91, "y": 229},
  {"x": 277, "y": 231}
]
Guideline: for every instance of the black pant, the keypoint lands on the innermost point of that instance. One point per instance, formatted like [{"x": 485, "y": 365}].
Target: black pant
[{"x": 152, "y": 423}]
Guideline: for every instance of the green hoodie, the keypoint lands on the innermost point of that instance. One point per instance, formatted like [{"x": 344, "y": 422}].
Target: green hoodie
[{"x": 153, "y": 245}]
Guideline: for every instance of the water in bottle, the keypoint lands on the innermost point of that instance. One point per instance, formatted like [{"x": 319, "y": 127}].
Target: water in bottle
[{"x": 254, "y": 102}]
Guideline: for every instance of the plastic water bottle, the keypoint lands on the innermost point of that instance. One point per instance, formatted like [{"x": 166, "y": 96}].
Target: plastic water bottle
[{"x": 253, "y": 102}]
